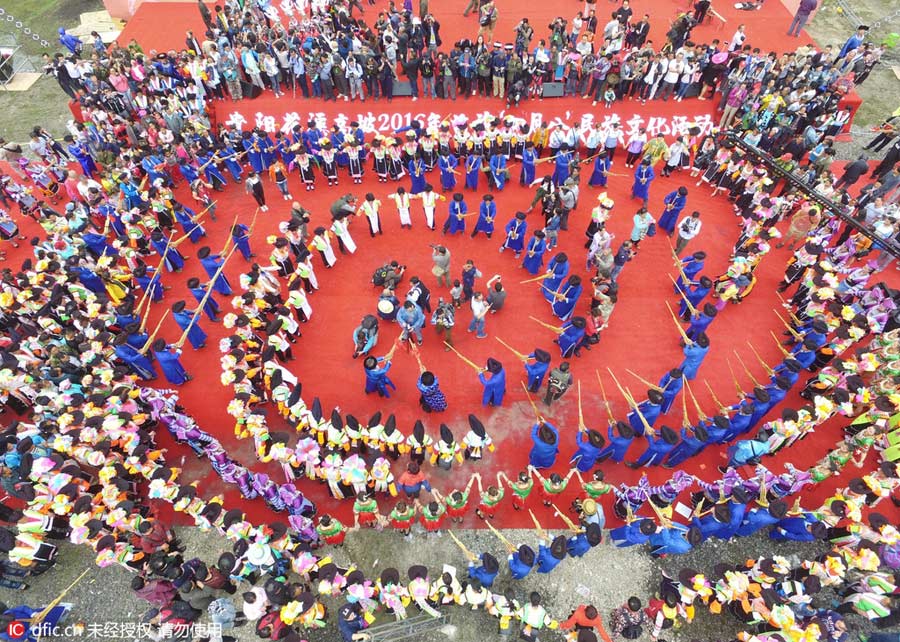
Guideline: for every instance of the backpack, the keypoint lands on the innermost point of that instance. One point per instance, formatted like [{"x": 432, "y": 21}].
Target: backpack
[
  {"x": 369, "y": 322},
  {"x": 380, "y": 275}
]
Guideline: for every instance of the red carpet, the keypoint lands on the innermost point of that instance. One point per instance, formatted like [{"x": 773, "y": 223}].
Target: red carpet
[{"x": 641, "y": 335}]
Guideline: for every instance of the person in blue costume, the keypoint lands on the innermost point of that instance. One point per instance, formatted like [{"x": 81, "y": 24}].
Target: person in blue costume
[
  {"x": 677, "y": 539},
  {"x": 240, "y": 235},
  {"x": 601, "y": 170},
  {"x": 474, "y": 163},
  {"x": 376, "y": 370},
  {"x": 125, "y": 315},
  {"x": 761, "y": 402},
  {"x": 417, "y": 177},
  {"x": 154, "y": 166},
  {"x": 447, "y": 164},
  {"x": 762, "y": 517},
  {"x": 746, "y": 451},
  {"x": 649, "y": 409},
  {"x": 487, "y": 571},
  {"x": 250, "y": 142},
  {"x": 795, "y": 528},
  {"x": 136, "y": 337},
  {"x": 692, "y": 442},
  {"x": 456, "y": 218},
  {"x": 643, "y": 178},
  {"x": 695, "y": 294},
  {"x": 701, "y": 321},
  {"x": 150, "y": 281},
  {"x": 188, "y": 171},
  {"x": 536, "y": 369},
  {"x": 211, "y": 263},
  {"x": 211, "y": 307},
  {"x": 207, "y": 161},
  {"x": 487, "y": 212},
  {"x": 498, "y": 172},
  {"x": 562, "y": 159},
  {"x": 581, "y": 543},
  {"x": 806, "y": 356},
  {"x": 529, "y": 158},
  {"x": 670, "y": 384},
  {"x": 658, "y": 448},
  {"x": 566, "y": 297},
  {"x": 521, "y": 562},
  {"x": 691, "y": 267},
  {"x": 267, "y": 148},
  {"x": 634, "y": 533},
  {"x": 673, "y": 203},
  {"x": 70, "y": 42},
  {"x": 81, "y": 153},
  {"x": 713, "y": 522},
  {"x": 545, "y": 445},
  {"x": 557, "y": 270},
  {"x": 534, "y": 254},
  {"x": 185, "y": 217},
  {"x": 174, "y": 260},
  {"x": 230, "y": 157},
  {"x": 572, "y": 335},
  {"x": 734, "y": 426},
  {"x": 778, "y": 390},
  {"x": 495, "y": 387},
  {"x": 167, "y": 358},
  {"x": 789, "y": 369},
  {"x": 183, "y": 317},
  {"x": 817, "y": 331},
  {"x": 138, "y": 363},
  {"x": 590, "y": 445},
  {"x": 551, "y": 553},
  {"x": 516, "y": 229},
  {"x": 694, "y": 353}
]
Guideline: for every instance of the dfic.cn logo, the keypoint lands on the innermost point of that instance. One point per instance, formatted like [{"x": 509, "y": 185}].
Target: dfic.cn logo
[{"x": 16, "y": 629}]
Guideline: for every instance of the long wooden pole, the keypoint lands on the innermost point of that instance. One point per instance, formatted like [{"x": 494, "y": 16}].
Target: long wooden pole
[
  {"x": 761, "y": 361},
  {"x": 521, "y": 356},
  {"x": 609, "y": 412},
  {"x": 746, "y": 369},
  {"x": 469, "y": 362},
  {"x": 155, "y": 331},
  {"x": 205, "y": 298},
  {"x": 652, "y": 386}
]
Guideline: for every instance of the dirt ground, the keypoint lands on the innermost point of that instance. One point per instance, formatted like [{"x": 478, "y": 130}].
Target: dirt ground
[{"x": 605, "y": 577}]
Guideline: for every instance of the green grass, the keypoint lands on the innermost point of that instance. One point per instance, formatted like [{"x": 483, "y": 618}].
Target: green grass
[
  {"x": 45, "y": 103},
  {"x": 881, "y": 90},
  {"x": 45, "y": 17}
]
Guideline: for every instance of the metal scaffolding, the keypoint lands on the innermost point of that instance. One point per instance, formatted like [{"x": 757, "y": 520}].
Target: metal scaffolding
[{"x": 844, "y": 212}]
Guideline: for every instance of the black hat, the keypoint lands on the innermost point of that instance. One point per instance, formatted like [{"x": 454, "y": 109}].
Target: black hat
[
  {"x": 625, "y": 430},
  {"x": 375, "y": 419},
  {"x": 476, "y": 426},
  {"x": 541, "y": 356},
  {"x": 647, "y": 526},
  {"x": 494, "y": 366},
  {"x": 595, "y": 438},
  {"x": 579, "y": 322},
  {"x": 669, "y": 435},
  {"x": 526, "y": 555},
  {"x": 655, "y": 396},
  {"x": 594, "y": 534},
  {"x": 390, "y": 425},
  {"x": 558, "y": 547},
  {"x": 419, "y": 430},
  {"x": 417, "y": 572},
  {"x": 316, "y": 409},
  {"x": 178, "y": 306},
  {"x": 698, "y": 256},
  {"x": 203, "y": 252},
  {"x": 446, "y": 434},
  {"x": 336, "y": 420},
  {"x": 489, "y": 562}
]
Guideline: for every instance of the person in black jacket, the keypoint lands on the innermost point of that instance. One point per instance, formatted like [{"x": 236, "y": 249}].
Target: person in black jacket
[
  {"x": 411, "y": 71},
  {"x": 853, "y": 172}
]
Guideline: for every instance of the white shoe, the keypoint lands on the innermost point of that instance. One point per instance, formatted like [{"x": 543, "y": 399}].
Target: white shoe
[{"x": 415, "y": 98}]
